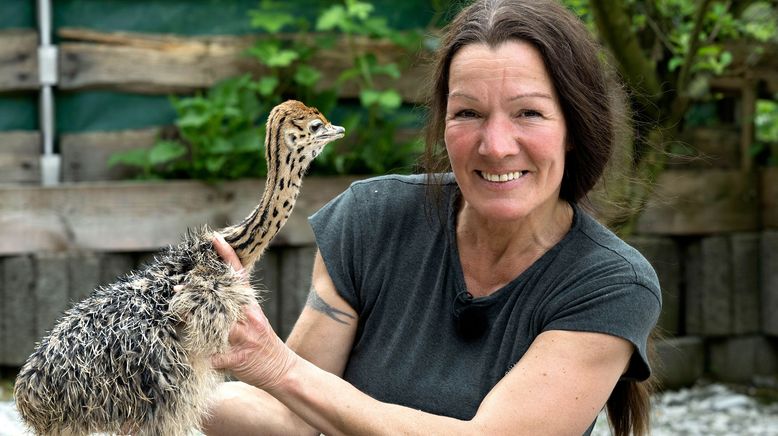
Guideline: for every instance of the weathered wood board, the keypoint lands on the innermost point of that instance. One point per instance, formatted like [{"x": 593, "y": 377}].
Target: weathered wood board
[
  {"x": 140, "y": 216},
  {"x": 85, "y": 155},
  {"x": 769, "y": 200},
  {"x": 148, "y": 63},
  {"x": 20, "y": 157},
  {"x": 18, "y": 60},
  {"x": 700, "y": 202}
]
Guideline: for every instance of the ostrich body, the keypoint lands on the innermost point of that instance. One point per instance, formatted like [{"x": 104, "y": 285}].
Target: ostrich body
[{"x": 135, "y": 356}]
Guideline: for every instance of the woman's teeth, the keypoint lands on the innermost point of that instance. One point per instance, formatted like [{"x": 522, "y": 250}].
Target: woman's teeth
[{"x": 502, "y": 177}]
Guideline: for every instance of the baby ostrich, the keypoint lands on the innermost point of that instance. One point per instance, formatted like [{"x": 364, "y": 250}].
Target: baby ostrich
[{"x": 134, "y": 356}]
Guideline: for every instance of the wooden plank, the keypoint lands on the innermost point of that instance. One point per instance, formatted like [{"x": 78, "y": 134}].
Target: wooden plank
[
  {"x": 18, "y": 60},
  {"x": 699, "y": 202},
  {"x": 708, "y": 148},
  {"x": 18, "y": 319},
  {"x": 85, "y": 155},
  {"x": 769, "y": 197},
  {"x": 20, "y": 157},
  {"x": 148, "y": 63},
  {"x": 141, "y": 216}
]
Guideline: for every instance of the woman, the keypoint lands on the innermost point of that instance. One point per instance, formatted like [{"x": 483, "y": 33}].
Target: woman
[{"x": 480, "y": 302}]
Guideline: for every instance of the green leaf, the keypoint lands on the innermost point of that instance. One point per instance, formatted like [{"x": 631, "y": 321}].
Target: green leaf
[
  {"x": 215, "y": 163},
  {"x": 307, "y": 75},
  {"x": 272, "y": 22},
  {"x": 369, "y": 97},
  {"x": 222, "y": 146},
  {"x": 248, "y": 140},
  {"x": 266, "y": 85},
  {"x": 138, "y": 157},
  {"x": 358, "y": 9},
  {"x": 193, "y": 120},
  {"x": 271, "y": 54},
  {"x": 165, "y": 151},
  {"x": 390, "y": 99},
  {"x": 332, "y": 18},
  {"x": 674, "y": 63}
]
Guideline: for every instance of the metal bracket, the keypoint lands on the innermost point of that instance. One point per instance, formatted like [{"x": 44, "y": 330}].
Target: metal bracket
[{"x": 47, "y": 65}]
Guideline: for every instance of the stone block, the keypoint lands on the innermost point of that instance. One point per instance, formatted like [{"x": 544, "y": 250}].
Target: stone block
[
  {"x": 740, "y": 359},
  {"x": 113, "y": 266},
  {"x": 679, "y": 361},
  {"x": 84, "y": 274},
  {"x": 17, "y": 322},
  {"x": 265, "y": 277},
  {"x": 296, "y": 267},
  {"x": 769, "y": 275},
  {"x": 709, "y": 287},
  {"x": 664, "y": 256},
  {"x": 51, "y": 289},
  {"x": 746, "y": 311}
]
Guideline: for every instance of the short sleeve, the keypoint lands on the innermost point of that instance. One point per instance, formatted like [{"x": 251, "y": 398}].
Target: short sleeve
[
  {"x": 626, "y": 310},
  {"x": 337, "y": 231}
]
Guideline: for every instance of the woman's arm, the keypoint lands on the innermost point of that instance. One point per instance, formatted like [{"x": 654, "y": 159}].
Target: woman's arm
[
  {"x": 323, "y": 335},
  {"x": 558, "y": 387}
]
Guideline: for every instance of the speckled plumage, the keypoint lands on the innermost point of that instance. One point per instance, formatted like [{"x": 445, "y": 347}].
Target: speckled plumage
[{"x": 135, "y": 356}]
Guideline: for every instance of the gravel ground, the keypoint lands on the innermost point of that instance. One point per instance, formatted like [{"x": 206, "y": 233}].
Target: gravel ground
[{"x": 709, "y": 410}]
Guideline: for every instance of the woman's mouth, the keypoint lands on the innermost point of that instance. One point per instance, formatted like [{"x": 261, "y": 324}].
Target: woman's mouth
[{"x": 503, "y": 177}]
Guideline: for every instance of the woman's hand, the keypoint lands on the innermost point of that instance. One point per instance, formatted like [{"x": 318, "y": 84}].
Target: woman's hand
[{"x": 257, "y": 355}]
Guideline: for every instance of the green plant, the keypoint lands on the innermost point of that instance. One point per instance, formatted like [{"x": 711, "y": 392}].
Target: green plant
[
  {"x": 220, "y": 131},
  {"x": 219, "y": 136},
  {"x": 374, "y": 146},
  {"x": 765, "y": 147}
]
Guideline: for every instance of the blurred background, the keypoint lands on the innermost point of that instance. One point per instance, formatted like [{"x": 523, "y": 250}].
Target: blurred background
[{"x": 124, "y": 122}]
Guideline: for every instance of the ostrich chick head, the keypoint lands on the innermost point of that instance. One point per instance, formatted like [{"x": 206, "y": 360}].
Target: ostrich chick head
[{"x": 296, "y": 134}]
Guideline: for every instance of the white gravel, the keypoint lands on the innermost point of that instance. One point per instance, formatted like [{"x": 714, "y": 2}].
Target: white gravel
[{"x": 709, "y": 410}]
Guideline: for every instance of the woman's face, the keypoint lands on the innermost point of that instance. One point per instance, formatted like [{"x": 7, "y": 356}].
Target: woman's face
[{"x": 505, "y": 132}]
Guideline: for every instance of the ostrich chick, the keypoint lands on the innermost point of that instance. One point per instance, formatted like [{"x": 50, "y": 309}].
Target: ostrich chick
[{"x": 134, "y": 356}]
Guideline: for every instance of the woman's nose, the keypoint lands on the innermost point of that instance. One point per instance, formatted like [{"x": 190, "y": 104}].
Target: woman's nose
[{"x": 498, "y": 138}]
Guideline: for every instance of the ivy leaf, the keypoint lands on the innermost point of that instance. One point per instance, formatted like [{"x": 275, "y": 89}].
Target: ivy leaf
[{"x": 165, "y": 151}]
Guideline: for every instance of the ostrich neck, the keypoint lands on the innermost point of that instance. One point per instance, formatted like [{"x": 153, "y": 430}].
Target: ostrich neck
[{"x": 252, "y": 236}]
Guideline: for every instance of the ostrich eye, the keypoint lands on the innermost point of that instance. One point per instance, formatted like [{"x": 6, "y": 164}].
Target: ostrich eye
[{"x": 315, "y": 126}]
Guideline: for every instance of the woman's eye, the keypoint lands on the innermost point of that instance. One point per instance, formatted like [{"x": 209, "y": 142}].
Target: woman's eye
[
  {"x": 466, "y": 113},
  {"x": 530, "y": 113}
]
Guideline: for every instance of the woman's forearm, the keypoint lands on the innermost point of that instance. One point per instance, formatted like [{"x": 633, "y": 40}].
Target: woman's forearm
[
  {"x": 335, "y": 407},
  {"x": 239, "y": 408}
]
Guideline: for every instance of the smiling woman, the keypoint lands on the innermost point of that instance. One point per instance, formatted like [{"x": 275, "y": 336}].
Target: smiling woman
[{"x": 508, "y": 305}]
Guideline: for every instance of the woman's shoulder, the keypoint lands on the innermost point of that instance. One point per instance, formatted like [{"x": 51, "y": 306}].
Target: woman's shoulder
[
  {"x": 395, "y": 192},
  {"x": 601, "y": 249}
]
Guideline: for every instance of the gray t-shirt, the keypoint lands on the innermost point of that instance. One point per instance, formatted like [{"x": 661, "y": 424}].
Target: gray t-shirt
[{"x": 395, "y": 261}]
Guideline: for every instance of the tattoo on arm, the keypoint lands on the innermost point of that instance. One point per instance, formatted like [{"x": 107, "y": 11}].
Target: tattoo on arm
[{"x": 317, "y": 303}]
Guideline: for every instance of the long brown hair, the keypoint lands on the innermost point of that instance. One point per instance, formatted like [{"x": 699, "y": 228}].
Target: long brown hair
[{"x": 590, "y": 96}]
